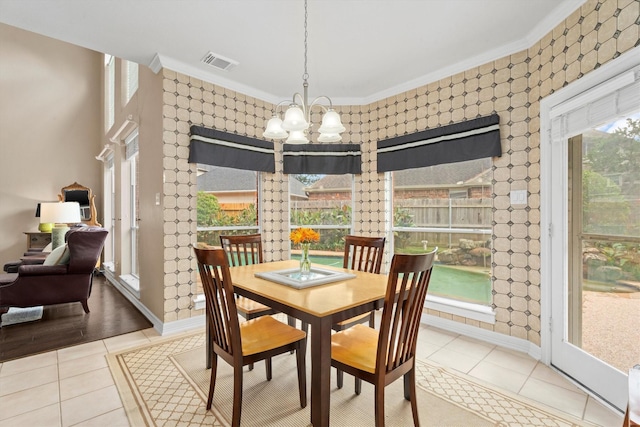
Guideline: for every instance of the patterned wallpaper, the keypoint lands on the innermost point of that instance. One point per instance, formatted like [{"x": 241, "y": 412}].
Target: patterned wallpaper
[{"x": 511, "y": 86}]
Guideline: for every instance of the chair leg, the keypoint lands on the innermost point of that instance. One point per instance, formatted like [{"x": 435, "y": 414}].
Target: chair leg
[
  {"x": 251, "y": 366},
  {"x": 372, "y": 319},
  {"x": 339, "y": 377},
  {"x": 212, "y": 381},
  {"x": 267, "y": 364},
  {"x": 302, "y": 372},
  {"x": 379, "y": 405},
  {"x": 237, "y": 397},
  {"x": 358, "y": 386},
  {"x": 85, "y": 306},
  {"x": 410, "y": 383}
]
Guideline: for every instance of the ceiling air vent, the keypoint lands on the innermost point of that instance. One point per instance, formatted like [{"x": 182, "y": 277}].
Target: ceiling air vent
[{"x": 219, "y": 62}]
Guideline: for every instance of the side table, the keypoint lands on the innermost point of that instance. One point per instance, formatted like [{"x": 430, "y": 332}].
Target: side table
[{"x": 37, "y": 239}]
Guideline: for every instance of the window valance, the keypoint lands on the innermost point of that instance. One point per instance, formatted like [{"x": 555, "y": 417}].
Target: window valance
[
  {"x": 217, "y": 148},
  {"x": 472, "y": 139},
  {"x": 327, "y": 159}
]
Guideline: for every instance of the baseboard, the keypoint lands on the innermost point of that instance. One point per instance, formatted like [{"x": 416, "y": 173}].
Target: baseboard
[
  {"x": 183, "y": 325},
  {"x": 505, "y": 341}
]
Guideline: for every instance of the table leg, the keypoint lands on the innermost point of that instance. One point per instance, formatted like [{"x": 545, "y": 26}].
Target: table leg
[{"x": 320, "y": 371}]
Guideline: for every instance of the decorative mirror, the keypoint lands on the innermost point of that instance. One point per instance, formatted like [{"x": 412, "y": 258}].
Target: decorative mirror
[{"x": 84, "y": 196}]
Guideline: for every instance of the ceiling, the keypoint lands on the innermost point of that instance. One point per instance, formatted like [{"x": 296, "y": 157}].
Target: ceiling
[{"x": 359, "y": 51}]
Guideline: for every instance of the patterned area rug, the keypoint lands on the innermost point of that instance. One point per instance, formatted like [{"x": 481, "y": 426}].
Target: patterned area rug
[
  {"x": 166, "y": 383},
  {"x": 21, "y": 315}
]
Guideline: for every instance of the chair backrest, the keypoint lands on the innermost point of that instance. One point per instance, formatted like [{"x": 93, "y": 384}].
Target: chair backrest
[
  {"x": 406, "y": 291},
  {"x": 243, "y": 249},
  {"x": 222, "y": 315},
  {"x": 363, "y": 253},
  {"x": 85, "y": 245}
]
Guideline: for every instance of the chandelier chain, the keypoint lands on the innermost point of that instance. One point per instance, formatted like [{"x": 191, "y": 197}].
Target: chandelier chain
[{"x": 305, "y": 76}]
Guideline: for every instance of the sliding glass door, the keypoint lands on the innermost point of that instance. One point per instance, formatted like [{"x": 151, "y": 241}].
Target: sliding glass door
[{"x": 594, "y": 235}]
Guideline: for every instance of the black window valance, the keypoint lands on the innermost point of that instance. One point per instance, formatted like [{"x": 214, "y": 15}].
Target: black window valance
[
  {"x": 327, "y": 159},
  {"x": 216, "y": 148},
  {"x": 469, "y": 140}
]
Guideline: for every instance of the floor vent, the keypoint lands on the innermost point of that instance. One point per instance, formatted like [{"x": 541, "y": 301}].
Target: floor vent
[{"x": 219, "y": 62}]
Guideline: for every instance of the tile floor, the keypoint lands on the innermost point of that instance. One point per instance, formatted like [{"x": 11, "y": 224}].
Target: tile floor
[{"x": 74, "y": 387}]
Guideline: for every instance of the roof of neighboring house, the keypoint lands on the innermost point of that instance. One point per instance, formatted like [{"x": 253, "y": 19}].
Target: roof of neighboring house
[
  {"x": 447, "y": 174},
  {"x": 219, "y": 179},
  {"x": 226, "y": 179},
  {"x": 450, "y": 174}
]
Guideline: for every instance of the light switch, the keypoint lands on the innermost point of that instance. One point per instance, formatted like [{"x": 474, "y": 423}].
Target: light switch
[{"x": 518, "y": 197}]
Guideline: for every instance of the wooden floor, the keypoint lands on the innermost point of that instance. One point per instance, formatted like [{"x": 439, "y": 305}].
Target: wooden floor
[{"x": 65, "y": 325}]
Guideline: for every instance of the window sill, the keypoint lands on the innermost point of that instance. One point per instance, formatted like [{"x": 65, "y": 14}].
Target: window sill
[
  {"x": 479, "y": 312},
  {"x": 199, "y": 302},
  {"x": 132, "y": 283}
]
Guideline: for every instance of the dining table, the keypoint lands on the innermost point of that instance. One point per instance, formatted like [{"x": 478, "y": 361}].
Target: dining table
[{"x": 320, "y": 306}]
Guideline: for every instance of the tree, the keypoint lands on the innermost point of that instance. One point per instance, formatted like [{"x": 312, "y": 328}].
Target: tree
[
  {"x": 617, "y": 155},
  {"x": 308, "y": 179},
  {"x": 605, "y": 210},
  {"x": 208, "y": 209}
]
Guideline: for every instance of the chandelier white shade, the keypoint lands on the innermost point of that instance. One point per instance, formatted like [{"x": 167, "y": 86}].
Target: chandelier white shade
[{"x": 297, "y": 119}]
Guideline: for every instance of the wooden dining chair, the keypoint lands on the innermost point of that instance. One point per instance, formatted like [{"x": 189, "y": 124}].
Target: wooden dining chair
[
  {"x": 381, "y": 357},
  {"x": 246, "y": 250},
  {"x": 362, "y": 254},
  {"x": 240, "y": 344}
]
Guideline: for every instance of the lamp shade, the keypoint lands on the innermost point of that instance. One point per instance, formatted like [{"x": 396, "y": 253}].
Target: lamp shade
[
  {"x": 297, "y": 137},
  {"x": 294, "y": 119},
  {"x": 331, "y": 123},
  {"x": 329, "y": 137},
  {"x": 60, "y": 213},
  {"x": 274, "y": 129}
]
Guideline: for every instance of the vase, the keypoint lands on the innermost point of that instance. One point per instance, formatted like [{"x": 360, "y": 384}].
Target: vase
[{"x": 305, "y": 262}]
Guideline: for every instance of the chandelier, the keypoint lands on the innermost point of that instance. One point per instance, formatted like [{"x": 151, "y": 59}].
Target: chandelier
[{"x": 297, "y": 118}]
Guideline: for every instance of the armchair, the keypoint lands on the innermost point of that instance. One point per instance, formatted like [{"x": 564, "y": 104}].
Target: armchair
[{"x": 35, "y": 285}]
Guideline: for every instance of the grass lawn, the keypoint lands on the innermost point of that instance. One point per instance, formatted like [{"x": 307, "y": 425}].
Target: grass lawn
[{"x": 462, "y": 283}]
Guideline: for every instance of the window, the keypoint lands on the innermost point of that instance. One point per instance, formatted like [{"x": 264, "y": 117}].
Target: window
[
  {"x": 448, "y": 206},
  {"x": 110, "y": 88},
  {"x": 227, "y": 202},
  {"x": 131, "y": 219},
  {"x": 324, "y": 203},
  {"x": 110, "y": 211},
  {"x": 131, "y": 80}
]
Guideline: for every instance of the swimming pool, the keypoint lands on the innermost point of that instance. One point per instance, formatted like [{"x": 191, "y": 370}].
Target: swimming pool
[{"x": 465, "y": 284}]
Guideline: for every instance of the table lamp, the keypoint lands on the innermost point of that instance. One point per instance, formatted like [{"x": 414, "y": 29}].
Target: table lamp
[
  {"x": 44, "y": 227},
  {"x": 60, "y": 214}
]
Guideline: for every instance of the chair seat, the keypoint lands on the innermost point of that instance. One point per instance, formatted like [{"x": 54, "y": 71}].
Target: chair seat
[
  {"x": 356, "y": 347},
  {"x": 265, "y": 332},
  {"x": 250, "y": 307},
  {"x": 354, "y": 319}
]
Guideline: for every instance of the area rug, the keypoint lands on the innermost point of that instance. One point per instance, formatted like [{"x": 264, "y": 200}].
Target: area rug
[
  {"x": 166, "y": 383},
  {"x": 21, "y": 315}
]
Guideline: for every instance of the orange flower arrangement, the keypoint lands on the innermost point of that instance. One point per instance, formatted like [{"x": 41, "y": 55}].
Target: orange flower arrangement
[{"x": 304, "y": 235}]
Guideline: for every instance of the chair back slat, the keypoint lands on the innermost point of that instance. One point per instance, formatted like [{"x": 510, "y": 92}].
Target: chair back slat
[
  {"x": 406, "y": 292},
  {"x": 363, "y": 253},
  {"x": 222, "y": 315},
  {"x": 243, "y": 249}
]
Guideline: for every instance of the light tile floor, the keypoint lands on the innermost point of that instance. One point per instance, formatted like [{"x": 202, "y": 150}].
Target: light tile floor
[{"x": 74, "y": 387}]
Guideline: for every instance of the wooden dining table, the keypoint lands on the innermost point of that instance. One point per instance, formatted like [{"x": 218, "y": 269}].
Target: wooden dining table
[{"x": 321, "y": 306}]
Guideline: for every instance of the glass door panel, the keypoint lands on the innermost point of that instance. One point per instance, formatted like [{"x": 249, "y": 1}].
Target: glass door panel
[{"x": 603, "y": 286}]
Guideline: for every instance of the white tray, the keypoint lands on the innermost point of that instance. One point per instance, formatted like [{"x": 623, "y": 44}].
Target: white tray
[{"x": 317, "y": 276}]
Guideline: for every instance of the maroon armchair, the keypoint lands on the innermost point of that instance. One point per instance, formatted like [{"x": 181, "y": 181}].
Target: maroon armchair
[{"x": 35, "y": 285}]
